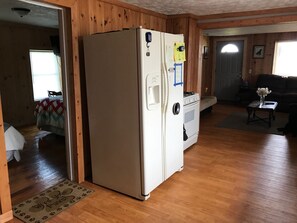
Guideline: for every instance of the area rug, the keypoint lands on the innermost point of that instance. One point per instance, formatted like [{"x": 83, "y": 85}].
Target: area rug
[
  {"x": 238, "y": 121},
  {"x": 50, "y": 202}
]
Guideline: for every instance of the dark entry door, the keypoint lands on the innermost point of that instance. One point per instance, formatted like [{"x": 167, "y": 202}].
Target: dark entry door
[{"x": 228, "y": 71}]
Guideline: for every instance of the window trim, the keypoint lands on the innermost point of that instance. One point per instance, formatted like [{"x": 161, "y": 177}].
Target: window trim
[
  {"x": 276, "y": 55},
  {"x": 31, "y": 72}
]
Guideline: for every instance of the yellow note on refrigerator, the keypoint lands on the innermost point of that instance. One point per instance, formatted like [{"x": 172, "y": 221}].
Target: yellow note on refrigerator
[{"x": 179, "y": 52}]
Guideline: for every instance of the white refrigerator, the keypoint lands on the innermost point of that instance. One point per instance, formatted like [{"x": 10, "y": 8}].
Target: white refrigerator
[{"x": 134, "y": 82}]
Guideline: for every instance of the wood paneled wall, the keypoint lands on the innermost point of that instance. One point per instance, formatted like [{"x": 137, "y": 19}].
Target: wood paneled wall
[
  {"x": 16, "y": 82},
  {"x": 104, "y": 16},
  {"x": 265, "y": 65}
]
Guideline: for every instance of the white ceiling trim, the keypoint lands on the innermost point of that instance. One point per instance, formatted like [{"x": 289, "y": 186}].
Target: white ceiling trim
[
  {"x": 278, "y": 28},
  {"x": 245, "y": 17}
]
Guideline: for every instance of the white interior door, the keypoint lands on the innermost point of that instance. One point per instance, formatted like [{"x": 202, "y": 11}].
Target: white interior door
[{"x": 228, "y": 70}]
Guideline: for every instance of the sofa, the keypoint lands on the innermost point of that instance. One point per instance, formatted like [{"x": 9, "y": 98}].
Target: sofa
[
  {"x": 207, "y": 102},
  {"x": 283, "y": 90}
]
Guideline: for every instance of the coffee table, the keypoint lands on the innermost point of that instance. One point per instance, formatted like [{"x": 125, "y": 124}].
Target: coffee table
[{"x": 268, "y": 106}]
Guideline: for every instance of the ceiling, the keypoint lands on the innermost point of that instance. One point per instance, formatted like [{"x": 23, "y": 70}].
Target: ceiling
[
  {"x": 48, "y": 17},
  {"x": 38, "y": 16},
  {"x": 208, "y": 7}
]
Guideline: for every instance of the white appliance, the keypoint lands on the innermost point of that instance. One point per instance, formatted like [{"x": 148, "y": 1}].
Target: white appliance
[
  {"x": 135, "y": 97},
  {"x": 191, "y": 118}
]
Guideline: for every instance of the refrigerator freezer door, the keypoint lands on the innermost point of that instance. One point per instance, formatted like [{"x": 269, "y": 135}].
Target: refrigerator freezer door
[
  {"x": 173, "y": 109},
  {"x": 150, "y": 88},
  {"x": 113, "y": 110}
]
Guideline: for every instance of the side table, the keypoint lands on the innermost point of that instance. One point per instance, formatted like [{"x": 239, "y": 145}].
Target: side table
[{"x": 268, "y": 106}]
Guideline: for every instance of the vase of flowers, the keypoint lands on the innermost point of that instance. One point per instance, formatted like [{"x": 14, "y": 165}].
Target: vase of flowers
[{"x": 263, "y": 92}]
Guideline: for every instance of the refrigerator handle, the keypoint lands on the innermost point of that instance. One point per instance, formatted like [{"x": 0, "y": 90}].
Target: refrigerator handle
[
  {"x": 165, "y": 90},
  {"x": 166, "y": 81},
  {"x": 166, "y": 86}
]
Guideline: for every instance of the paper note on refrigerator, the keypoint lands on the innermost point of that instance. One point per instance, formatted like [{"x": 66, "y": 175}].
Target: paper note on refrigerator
[
  {"x": 178, "y": 74},
  {"x": 179, "y": 52}
]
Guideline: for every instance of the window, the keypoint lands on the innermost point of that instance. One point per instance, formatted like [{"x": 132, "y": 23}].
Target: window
[
  {"x": 46, "y": 73},
  {"x": 230, "y": 48},
  {"x": 285, "y": 54}
]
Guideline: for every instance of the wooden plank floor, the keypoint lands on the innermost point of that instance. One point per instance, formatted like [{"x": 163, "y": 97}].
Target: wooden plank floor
[
  {"x": 42, "y": 164},
  {"x": 230, "y": 176}
]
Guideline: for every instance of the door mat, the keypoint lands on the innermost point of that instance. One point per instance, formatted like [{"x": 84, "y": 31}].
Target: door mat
[
  {"x": 238, "y": 121},
  {"x": 50, "y": 202}
]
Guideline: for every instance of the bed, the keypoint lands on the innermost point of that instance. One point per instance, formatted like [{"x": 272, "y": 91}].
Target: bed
[
  {"x": 14, "y": 142},
  {"x": 49, "y": 113}
]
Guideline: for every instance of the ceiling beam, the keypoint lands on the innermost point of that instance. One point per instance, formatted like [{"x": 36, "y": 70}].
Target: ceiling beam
[
  {"x": 269, "y": 20},
  {"x": 249, "y": 13}
]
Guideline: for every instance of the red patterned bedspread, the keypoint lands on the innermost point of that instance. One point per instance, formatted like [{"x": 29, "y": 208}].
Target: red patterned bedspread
[{"x": 50, "y": 115}]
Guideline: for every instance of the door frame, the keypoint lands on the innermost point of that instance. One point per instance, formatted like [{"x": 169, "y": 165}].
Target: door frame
[
  {"x": 244, "y": 58},
  {"x": 71, "y": 83},
  {"x": 66, "y": 69}
]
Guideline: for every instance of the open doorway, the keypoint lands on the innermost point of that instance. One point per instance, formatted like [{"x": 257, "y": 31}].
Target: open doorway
[
  {"x": 45, "y": 158},
  {"x": 228, "y": 72}
]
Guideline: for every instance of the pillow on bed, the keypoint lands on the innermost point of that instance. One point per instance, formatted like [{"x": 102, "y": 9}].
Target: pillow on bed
[{"x": 14, "y": 141}]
